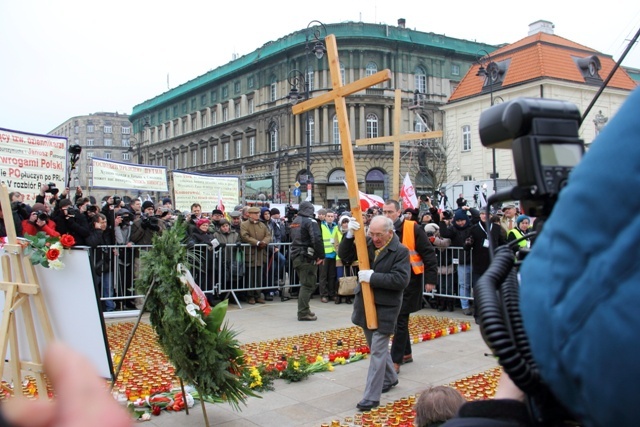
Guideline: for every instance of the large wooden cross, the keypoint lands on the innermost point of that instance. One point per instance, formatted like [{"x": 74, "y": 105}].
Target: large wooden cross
[
  {"x": 396, "y": 139},
  {"x": 337, "y": 95}
]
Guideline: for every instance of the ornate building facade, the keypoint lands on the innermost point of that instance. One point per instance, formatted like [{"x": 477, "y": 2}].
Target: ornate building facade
[{"x": 237, "y": 120}]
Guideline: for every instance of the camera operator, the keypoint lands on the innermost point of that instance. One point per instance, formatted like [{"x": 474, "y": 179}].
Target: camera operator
[
  {"x": 193, "y": 218},
  {"x": 69, "y": 220},
  {"x": 124, "y": 274},
  {"x": 39, "y": 221},
  {"x": 146, "y": 226}
]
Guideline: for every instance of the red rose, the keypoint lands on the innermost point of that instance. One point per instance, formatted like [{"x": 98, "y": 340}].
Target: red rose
[
  {"x": 53, "y": 254},
  {"x": 67, "y": 240}
]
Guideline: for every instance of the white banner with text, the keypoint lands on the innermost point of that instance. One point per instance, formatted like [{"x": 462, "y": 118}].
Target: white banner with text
[
  {"x": 127, "y": 176},
  {"x": 207, "y": 190}
]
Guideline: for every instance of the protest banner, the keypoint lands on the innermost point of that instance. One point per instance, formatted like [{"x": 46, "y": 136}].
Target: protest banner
[
  {"x": 28, "y": 160},
  {"x": 190, "y": 188},
  {"x": 127, "y": 176}
]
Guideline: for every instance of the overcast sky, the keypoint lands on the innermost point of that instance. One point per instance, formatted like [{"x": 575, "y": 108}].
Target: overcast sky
[{"x": 68, "y": 58}]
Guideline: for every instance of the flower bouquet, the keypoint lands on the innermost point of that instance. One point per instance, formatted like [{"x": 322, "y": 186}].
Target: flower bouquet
[{"x": 46, "y": 250}]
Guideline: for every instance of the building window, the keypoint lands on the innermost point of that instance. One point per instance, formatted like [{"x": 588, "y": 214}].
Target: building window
[
  {"x": 372, "y": 126},
  {"x": 184, "y": 107},
  {"x": 225, "y": 151},
  {"x": 214, "y": 152},
  {"x": 252, "y": 146},
  {"x": 184, "y": 126},
  {"x": 371, "y": 69},
  {"x": 273, "y": 137},
  {"x": 108, "y": 142},
  {"x": 76, "y": 129},
  {"x": 107, "y": 155},
  {"x": 343, "y": 74},
  {"x": 336, "y": 130},
  {"x": 250, "y": 82},
  {"x": 194, "y": 158},
  {"x": 89, "y": 154},
  {"x": 310, "y": 78},
  {"x": 225, "y": 92},
  {"x": 108, "y": 129},
  {"x": 126, "y": 130},
  {"x": 214, "y": 117},
  {"x": 89, "y": 128},
  {"x": 160, "y": 133},
  {"x": 236, "y": 87},
  {"x": 177, "y": 157},
  {"x": 225, "y": 114},
  {"x": 273, "y": 89},
  {"x": 455, "y": 70},
  {"x": 204, "y": 118},
  {"x": 175, "y": 111},
  {"x": 194, "y": 123},
  {"x": 251, "y": 105},
  {"x": 310, "y": 130},
  {"x": 236, "y": 109},
  {"x": 90, "y": 142},
  {"x": 204, "y": 155},
  {"x": 467, "y": 178},
  {"x": 193, "y": 104},
  {"x": 466, "y": 138},
  {"x": 126, "y": 142},
  {"x": 203, "y": 100},
  {"x": 238, "y": 148},
  {"x": 126, "y": 156},
  {"x": 90, "y": 168},
  {"x": 420, "y": 80}
]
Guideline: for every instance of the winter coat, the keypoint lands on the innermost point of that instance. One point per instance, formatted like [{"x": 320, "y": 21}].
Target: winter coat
[
  {"x": 481, "y": 256},
  {"x": 305, "y": 234},
  {"x": 30, "y": 228},
  {"x": 458, "y": 236},
  {"x": 392, "y": 271},
  {"x": 252, "y": 233}
]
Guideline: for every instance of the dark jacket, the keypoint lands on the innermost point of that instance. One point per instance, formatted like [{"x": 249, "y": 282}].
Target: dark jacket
[
  {"x": 392, "y": 271},
  {"x": 481, "y": 256},
  {"x": 77, "y": 226},
  {"x": 305, "y": 234},
  {"x": 412, "y": 297},
  {"x": 458, "y": 236}
]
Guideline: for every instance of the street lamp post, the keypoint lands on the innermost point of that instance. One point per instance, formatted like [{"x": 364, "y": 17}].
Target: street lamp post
[
  {"x": 489, "y": 73},
  {"x": 297, "y": 78}
]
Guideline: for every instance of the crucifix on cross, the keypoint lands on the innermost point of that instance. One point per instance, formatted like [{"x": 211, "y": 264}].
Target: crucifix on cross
[
  {"x": 396, "y": 139},
  {"x": 337, "y": 95}
]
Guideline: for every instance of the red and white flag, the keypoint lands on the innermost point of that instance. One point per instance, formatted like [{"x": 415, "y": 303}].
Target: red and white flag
[
  {"x": 368, "y": 200},
  {"x": 220, "y": 202},
  {"x": 408, "y": 194}
]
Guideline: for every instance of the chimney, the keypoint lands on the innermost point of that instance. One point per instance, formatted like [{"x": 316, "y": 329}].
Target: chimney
[
  {"x": 402, "y": 23},
  {"x": 541, "y": 26}
]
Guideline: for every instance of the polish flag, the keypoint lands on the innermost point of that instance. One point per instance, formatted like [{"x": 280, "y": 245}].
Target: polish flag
[
  {"x": 220, "y": 202},
  {"x": 408, "y": 194},
  {"x": 368, "y": 200}
]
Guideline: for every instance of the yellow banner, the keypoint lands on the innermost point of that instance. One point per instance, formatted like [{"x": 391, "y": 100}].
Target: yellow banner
[
  {"x": 27, "y": 161},
  {"x": 127, "y": 176},
  {"x": 190, "y": 188}
]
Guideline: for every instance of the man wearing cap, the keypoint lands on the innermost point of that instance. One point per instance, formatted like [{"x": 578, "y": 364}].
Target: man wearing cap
[
  {"x": 236, "y": 219},
  {"x": 307, "y": 253},
  {"x": 508, "y": 220},
  {"x": 255, "y": 233},
  {"x": 216, "y": 216},
  {"x": 146, "y": 226}
]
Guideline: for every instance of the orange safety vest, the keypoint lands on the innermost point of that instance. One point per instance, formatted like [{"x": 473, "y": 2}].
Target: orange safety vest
[{"x": 409, "y": 240}]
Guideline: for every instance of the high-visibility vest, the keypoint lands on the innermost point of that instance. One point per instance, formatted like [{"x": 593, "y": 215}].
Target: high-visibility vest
[
  {"x": 326, "y": 237},
  {"x": 409, "y": 240}
]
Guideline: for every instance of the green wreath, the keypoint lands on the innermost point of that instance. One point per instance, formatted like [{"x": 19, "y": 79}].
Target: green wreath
[{"x": 204, "y": 352}]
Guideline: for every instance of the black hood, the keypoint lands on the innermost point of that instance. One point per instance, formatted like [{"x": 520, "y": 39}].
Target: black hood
[{"x": 306, "y": 209}]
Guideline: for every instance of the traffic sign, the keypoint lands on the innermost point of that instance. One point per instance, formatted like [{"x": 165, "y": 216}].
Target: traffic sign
[
  {"x": 296, "y": 192},
  {"x": 297, "y": 184}
]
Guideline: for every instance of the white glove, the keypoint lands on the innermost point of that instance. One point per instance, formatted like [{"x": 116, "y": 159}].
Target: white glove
[
  {"x": 365, "y": 275},
  {"x": 215, "y": 243},
  {"x": 353, "y": 226}
]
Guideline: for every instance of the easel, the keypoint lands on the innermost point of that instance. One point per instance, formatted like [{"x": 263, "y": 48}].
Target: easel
[
  {"x": 337, "y": 95},
  {"x": 20, "y": 285},
  {"x": 396, "y": 139}
]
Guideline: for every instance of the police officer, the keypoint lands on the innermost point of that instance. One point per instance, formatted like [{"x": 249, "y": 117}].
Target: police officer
[{"x": 307, "y": 253}]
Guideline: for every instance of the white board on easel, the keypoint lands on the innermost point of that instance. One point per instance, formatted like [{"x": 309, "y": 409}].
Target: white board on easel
[{"x": 73, "y": 309}]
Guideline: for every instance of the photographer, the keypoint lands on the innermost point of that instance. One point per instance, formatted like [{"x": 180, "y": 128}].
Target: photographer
[
  {"x": 459, "y": 232},
  {"x": 69, "y": 220},
  {"x": 146, "y": 226},
  {"x": 124, "y": 270},
  {"x": 39, "y": 221},
  {"x": 51, "y": 189}
]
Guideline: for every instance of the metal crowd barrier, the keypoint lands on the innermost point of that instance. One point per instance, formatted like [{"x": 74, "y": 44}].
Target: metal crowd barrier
[
  {"x": 449, "y": 283},
  {"x": 227, "y": 271}
]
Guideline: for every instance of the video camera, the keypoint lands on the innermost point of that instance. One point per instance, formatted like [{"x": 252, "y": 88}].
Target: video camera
[
  {"x": 543, "y": 135},
  {"x": 51, "y": 188},
  {"x": 42, "y": 215},
  {"x": 117, "y": 200},
  {"x": 127, "y": 217}
]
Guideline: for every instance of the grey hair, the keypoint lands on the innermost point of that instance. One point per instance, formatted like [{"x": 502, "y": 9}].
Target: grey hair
[{"x": 386, "y": 222}]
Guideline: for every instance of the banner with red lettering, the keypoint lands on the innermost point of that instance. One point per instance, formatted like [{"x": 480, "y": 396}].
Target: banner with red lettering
[
  {"x": 29, "y": 160},
  {"x": 408, "y": 194},
  {"x": 128, "y": 176}
]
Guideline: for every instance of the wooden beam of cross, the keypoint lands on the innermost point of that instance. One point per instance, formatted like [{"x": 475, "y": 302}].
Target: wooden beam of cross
[
  {"x": 396, "y": 139},
  {"x": 337, "y": 95}
]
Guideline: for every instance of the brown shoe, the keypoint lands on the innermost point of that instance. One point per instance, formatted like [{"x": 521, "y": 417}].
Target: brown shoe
[
  {"x": 324, "y": 299},
  {"x": 396, "y": 367},
  {"x": 260, "y": 301},
  {"x": 251, "y": 301},
  {"x": 338, "y": 300}
]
